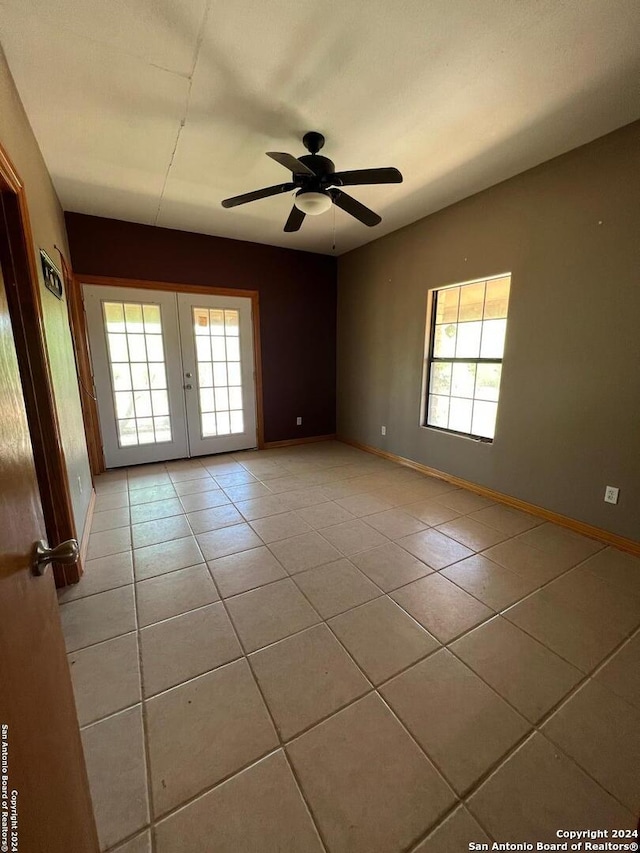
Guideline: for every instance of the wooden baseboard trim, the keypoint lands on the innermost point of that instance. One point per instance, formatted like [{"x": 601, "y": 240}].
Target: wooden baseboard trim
[
  {"x": 289, "y": 442},
  {"x": 84, "y": 545},
  {"x": 624, "y": 544}
]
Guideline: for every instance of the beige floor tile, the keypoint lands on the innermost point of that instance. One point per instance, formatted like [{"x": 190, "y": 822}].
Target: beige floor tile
[
  {"x": 377, "y": 792},
  {"x": 270, "y": 613},
  {"x": 336, "y": 587},
  {"x": 114, "y": 501},
  {"x": 188, "y": 474},
  {"x": 173, "y": 593},
  {"x": 455, "y": 833},
  {"x": 616, "y": 567},
  {"x": 110, "y": 483},
  {"x": 306, "y": 678},
  {"x": 507, "y": 520},
  {"x": 300, "y": 498},
  {"x": 186, "y": 646},
  {"x": 100, "y": 575},
  {"x": 109, "y": 519},
  {"x": 364, "y": 504},
  {"x": 234, "y": 478},
  {"x": 214, "y": 518},
  {"x": 494, "y": 585},
  {"x": 156, "y": 509},
  {"x": 559, "y": 540},
  {"x": 228, "y": 540},
  {"x": 539, "y": 790},
  {"x": 194, "y": 487},
  {"x": 260, "y": 809},
  {"x": 145, "y": 481},
  {"x": 262, "y": 507},
  {"x": 281, "y": 526},
  {"x": 304, "y": 552},
  {"x": 464, "y": 501},
  {"x": 434, "y": 548},
  {"x": 530, "y": 562},
  {"x": 462, "y": 725},
  {"x": 598, "y": 598},
  {"x": 106, "y": 678},
  {"x": 98, "y": 617},
  {"x": 351, "y": 537},
  {"x": 155, "y": 560},
  {"x": 345, "y": 489},
  {"x": 291, "y": 483},
  {"x": 390, "y": 566},
  {"x": 382, "y": 638},
  {"x": 529, "y": 676},
  {"x": 203, "y": 731},
  {"x": 473, "y": 534},
  {"x": 204, "y": 500},
  {"x": 394, "y": 523},
  {"x": 565, "y": 629},
  {"x": 246, "y": 491},
  {"x": 441, "y": 607},
  {"x": 109, "y": 542},
  {"x": 247, "y": 570},
  {"x": 431, "y": 512},
  {"x": 620, "y": 673},
  {"x": 139, "y": 844},
  {"x": 601, "y": 732},
  {"x": 160, "y": 530},
  {"x": 151, "y": 494},
  {"x": 325, "y": 515},
  {"x": 114, "y": 754}
]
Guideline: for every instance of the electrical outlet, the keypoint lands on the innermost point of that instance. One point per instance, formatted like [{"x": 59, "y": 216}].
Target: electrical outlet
[
  {"x": 299, "y": 421},
  {"x": 383, "y": 430},
  {"x": 80, "y": 485},
  {"x": 611, "y": 495}
]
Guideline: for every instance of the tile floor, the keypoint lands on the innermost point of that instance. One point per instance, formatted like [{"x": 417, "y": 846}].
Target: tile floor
[{"x": 313, "y": 649}]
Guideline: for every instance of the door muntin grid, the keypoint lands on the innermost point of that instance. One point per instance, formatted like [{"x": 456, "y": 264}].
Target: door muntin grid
[
  {"x": 137, "y": 367},
  {"x": 219, "y": 371}
]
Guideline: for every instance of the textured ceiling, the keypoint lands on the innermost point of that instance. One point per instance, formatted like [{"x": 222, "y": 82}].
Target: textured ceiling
[{"x": 155, "y": 110}]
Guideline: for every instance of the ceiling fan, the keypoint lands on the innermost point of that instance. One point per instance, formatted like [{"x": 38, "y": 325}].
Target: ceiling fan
[{"x": 318, "y": 185}]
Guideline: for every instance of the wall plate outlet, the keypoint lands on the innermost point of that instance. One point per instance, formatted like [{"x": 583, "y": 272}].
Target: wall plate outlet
[
  {"x": 383, "y": 430},
  {"x": 611, "y": 494},
  {"x": 298, "y": 421},
  {"x": 80, "y": 484}
]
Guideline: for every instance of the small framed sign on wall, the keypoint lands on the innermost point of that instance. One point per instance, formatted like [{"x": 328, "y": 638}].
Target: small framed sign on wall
[{"x": 52, "y": 275}]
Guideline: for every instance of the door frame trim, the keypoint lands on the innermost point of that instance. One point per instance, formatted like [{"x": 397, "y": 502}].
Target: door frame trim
[
  {"x": 23, "y": 293},
  {"x": 174, "y": 287}
]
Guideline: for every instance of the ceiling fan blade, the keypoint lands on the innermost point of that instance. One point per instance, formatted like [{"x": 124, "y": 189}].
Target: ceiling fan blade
[
  {"x": 355, "y": 208},
  {"x": 256, "y": 194},
  {"x": 367, "y": 176},
  {"x": 290, "y": 163},
  {"x": 295, "y": 220}
]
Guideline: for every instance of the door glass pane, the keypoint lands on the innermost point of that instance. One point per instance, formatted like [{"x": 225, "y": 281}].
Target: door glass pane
[
  {"x": 137, "y": 363},
  {"x": 217, "y": 343}
]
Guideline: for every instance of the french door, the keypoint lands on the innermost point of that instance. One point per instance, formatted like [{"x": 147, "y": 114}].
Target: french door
[{"x": 174, "y": 373}]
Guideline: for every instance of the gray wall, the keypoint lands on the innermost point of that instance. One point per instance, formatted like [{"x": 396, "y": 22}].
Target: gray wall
[
  {"x": 47, "y": 223},
  {"x": 569, "y": 414}
]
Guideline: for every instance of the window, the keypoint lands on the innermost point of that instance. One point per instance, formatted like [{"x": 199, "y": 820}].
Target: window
[{"x": 466, "y": 343}]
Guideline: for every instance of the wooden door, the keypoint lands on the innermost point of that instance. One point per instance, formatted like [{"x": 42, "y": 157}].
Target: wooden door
[
  {"x": 219, "y": 372},
  {"x": 46, "y": 799}
]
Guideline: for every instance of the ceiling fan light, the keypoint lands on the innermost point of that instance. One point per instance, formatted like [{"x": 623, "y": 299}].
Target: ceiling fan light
[{"x": 312, "y": 203}]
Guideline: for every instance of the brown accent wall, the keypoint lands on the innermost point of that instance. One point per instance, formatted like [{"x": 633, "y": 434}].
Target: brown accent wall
[
  {"x": 47, "y": 224},
  {"x": 297, "y": 305},
  {"x": 569, "y": 414}
]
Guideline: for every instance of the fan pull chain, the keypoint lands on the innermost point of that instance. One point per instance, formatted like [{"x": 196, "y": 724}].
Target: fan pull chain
[{"x": 333, "y": 248}]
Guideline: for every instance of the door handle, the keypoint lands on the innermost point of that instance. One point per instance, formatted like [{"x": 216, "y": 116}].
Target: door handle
[
  {"x": 66, "y": 552},
  {"x": 188, "y": 387}
]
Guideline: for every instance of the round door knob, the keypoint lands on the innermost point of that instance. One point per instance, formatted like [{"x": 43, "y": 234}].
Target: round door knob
[{"x": 188, "y": 387}]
